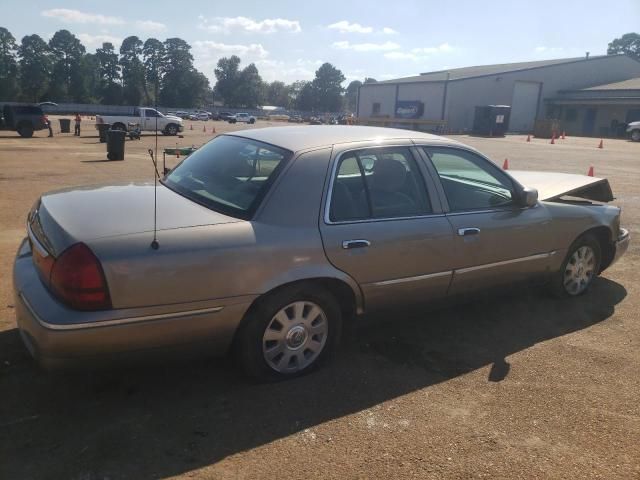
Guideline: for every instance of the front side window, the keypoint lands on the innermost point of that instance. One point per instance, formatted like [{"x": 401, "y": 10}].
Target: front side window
[
  {"x": 378, "y": 183},
  {"x": 229, "y": 174},
  {"x": 469, "y": 181}
]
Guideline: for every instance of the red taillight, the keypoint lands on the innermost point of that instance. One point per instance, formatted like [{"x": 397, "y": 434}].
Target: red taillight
[{"x": 78, "y": 280}]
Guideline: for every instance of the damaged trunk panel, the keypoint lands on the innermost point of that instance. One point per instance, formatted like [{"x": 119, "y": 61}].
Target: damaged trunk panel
[{"x": 553, "y": 186}]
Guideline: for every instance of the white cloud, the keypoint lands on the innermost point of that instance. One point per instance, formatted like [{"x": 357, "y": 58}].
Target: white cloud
[
  {"x": 249, "y": 25},
  {"x": 150, "y": 26},
  {"x": 96, "y": 41},
  {"x": 209, "y": 49},
  {"x": 420, "y": 54},
  {"x": 365, "y": 47},
  {"x": 344, "y": 26},
  {"x": 76, "y": 16}
]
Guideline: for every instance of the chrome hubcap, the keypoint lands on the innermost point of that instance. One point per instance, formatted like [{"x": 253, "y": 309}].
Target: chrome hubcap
[
  {"x": 580, "y": 270},
  {"x": 295, "y": 337}
]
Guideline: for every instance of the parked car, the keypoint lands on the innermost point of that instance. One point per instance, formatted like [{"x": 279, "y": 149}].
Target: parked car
[
  {"x": 295, "y": 119},
  {"x": 633, "y": 129},
  {"x": 24, "y": 119},
  {"x": 182, "y": 114},
  {"x": 225, "y": 116},
  {"x": 269, "y": 239},
  {"x": 242, "y": 118},
  {"x": 202, "y": 116},
  {"x": 148, "y": 119}
]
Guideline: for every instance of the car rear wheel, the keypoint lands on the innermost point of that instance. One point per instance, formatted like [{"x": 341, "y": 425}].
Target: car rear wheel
[
  {"x": 579, "y": 268},
  {"x": 289, "y": 333},
  {"x": 25, "y": 130},
  {"x": 252, "y": 121},
  {"x": 635, "y": 135}
]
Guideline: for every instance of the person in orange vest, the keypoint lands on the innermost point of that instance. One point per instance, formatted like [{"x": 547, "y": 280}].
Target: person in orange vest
[{"x": 77, "y": 128}]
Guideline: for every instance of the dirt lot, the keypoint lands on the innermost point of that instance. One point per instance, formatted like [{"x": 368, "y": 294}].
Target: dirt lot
[{"x": 518, "y": 386}]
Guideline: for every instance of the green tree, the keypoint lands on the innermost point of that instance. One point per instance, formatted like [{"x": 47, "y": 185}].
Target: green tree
[
  {"x": 307, "y": 98},
  {"x": 327, "y": 87},
  {"x": 111, "y": 90},
  {"x": 351, "y": 95},
  {"x": 133, "y": 74},
  {"x": 153, "y": 58},
  {"x": 35, "y": 67},
  {"x": 629, "y": 43},
  {"x": 277, "y": 93},
  {"x": 90, "y": 74},
  {"x": 227, "y": 74},
  {"x": 177, "y": 69},
  {"x": 249, "y": 89},
  {"x": 67, "y": 52},
  {"x": 294, "y": 92},
  {"x": 8, "y": 66}
]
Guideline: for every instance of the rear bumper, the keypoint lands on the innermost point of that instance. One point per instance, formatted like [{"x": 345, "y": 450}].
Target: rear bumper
[
  {"x": 621, "y": 244},
  {"x": 57, "y": 336}
]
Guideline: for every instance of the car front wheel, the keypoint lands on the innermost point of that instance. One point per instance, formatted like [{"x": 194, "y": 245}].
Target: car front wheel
[
  {"x": 171, "y": 129},
  {"x": 635, "y": 135},
  {"x": 579, "y": 268},
  {"x": 289, "y": 333}
]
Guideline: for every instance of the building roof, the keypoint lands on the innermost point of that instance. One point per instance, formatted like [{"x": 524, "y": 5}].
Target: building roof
[
  {"x": 297, "y": 138},
  {"x": 630, "y": 84},
  {"x": 483, "y": 70}
]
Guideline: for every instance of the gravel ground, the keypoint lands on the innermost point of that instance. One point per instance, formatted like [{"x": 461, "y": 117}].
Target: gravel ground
[{"x": 511, "y": 386}]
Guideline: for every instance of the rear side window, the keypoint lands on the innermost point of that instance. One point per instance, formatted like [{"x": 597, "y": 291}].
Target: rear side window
[
  {"x": 378, "y": 183},
  {"x": 27, "y": 110}
]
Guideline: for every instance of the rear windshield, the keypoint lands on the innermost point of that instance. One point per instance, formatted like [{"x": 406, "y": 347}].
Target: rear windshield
[{"x": 229, "y": 174}]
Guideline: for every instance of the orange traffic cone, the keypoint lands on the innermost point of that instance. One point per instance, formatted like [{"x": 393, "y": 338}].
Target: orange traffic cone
[
  {"x": 213, "y": 129},
  {"x": 529, "y": 138},
  {"x": 204, "y": 129},
  {"x": 191, "y": 127},
  {"x": 505, "y": 165},
  {"x": 563, "y": 135},
  {"x": 601, "y": 144},
  {"x": 553, "y": 139},
  {"x": 177, "y": 152},
  {"x": 590, "y": 173}
]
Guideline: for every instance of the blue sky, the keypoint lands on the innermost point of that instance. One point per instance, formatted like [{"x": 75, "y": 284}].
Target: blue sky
[{"x": 289, "y": 39}]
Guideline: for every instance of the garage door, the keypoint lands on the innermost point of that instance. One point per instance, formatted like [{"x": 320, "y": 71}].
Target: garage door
[{"x": 523, "y": 106}]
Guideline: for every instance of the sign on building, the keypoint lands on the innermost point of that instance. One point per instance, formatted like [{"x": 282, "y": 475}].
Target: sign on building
[{"x": 409, "y": 109}]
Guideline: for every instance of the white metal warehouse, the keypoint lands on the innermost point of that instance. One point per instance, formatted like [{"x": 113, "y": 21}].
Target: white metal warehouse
[{"x": 446, "y": 100}]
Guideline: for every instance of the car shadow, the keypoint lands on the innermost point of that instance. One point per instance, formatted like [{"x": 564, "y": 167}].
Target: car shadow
[{"x": 156, "y": 422}]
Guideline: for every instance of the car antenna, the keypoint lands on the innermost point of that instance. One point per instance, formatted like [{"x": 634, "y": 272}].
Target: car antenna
[{"x": 156, "y": 176}]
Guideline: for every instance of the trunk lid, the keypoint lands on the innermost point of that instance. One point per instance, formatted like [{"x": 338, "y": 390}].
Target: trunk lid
[
  {"x": 64, "y": 217},
  {"x": 551, "y": 185}
]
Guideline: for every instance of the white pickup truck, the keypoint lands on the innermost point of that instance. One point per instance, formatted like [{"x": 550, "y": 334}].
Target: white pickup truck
[
  {"x": 242, "y": 118},
  {"x": 149, "y": 120}
]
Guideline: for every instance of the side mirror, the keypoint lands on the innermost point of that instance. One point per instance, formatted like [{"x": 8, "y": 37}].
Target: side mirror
[{"x": 529, "y": 197}]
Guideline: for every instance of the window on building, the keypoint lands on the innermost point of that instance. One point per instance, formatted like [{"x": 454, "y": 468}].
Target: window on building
[
  {"x": 571, "y": 115},
  {"x": 376, "y": 108}
]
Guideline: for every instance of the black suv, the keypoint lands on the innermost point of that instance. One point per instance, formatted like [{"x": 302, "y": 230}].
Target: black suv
[{"x": 24, "y": 119}]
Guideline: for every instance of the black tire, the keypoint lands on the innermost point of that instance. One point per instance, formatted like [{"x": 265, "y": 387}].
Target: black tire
[
  {"x": 558, "y": 281},
  {"x": 248, "y": 345},
  {"x": 635, "y": 135},
  {"x": 252, "y": 121},
  {"x": 119, "y": 126},
  {"x": 25, "y": 130},
  {"x": 171, "y": 129}
]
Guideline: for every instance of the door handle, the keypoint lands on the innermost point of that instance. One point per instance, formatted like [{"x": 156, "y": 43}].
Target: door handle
[
  {"x": 346, "y": 244},
  {"x": 463, "y": 232}
]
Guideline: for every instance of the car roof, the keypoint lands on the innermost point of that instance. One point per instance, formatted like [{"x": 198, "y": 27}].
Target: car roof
[{"x": 304, "y": 137}]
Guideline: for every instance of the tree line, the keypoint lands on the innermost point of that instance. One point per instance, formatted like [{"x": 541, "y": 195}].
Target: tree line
[{"x": 149, "y": 72}]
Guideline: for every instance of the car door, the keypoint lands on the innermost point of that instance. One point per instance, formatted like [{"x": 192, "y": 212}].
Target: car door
[
  {"x": 384, "y": 226},
  {"x": 151, "y": 118},
  {"x": 496, "y": 240}
]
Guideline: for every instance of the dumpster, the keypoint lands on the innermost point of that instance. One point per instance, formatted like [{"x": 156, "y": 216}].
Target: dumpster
[
  {"x": 491, "y": 120},
  {"x": 115, "y": 144},
  {"x": 65, "y": 125},
  {"x": 102, "y": 131}
]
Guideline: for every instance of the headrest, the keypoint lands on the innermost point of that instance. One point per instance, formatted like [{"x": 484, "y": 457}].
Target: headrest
[{"x": 388, "y": 175}]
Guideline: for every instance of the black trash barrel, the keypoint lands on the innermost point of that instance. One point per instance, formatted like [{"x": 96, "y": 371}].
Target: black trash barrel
[
  {"x": 102, "y": 131},
  {"x": 115, "y": 144},
  {"x": 65, "y": 125}
]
